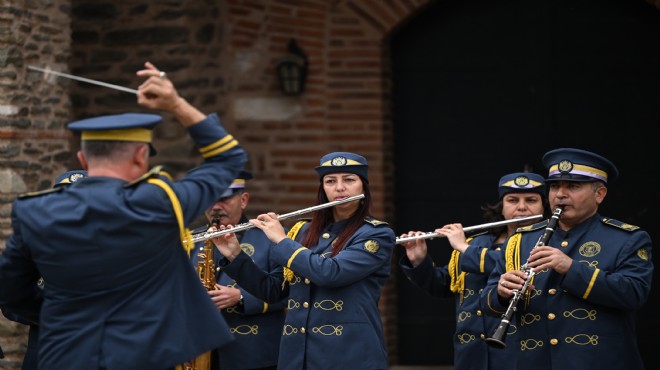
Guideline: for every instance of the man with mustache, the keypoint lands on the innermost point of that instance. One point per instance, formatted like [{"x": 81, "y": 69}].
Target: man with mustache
[
  {"x": 256, "y": 325},
  {"x": 590, "y": 278}
]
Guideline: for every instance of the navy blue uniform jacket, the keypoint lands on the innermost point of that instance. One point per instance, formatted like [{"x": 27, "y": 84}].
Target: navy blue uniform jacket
[
  {"x": 472, "y": 326},
  {"x": 332, "y": 320},
  {"x": 584, "y": 319},
  {"x": 120, "y": 291},
  {"x": 256, "y": 325}
]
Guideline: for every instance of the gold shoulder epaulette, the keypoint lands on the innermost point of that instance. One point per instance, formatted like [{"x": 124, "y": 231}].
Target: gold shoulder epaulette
[
  {"x": 374, "y": 222},
  {"x": 619, "y": 224},
  {"x": 533, "y": 227},
  {"x": 153, "y": 173},
  {"x": 38, "y": 193}
]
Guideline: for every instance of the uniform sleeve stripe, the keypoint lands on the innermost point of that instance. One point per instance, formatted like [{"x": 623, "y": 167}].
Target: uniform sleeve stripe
[
  {"x": 482, "y": 260},
  {"x": 220, "y": 150},
  {"x": 290, "y": 261},
  {"x": 591, "y": 284},
  {"x": 216, "y": 144}
]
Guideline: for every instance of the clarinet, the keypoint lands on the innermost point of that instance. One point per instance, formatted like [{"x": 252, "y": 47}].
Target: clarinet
[{"x": 497, "y": 340}]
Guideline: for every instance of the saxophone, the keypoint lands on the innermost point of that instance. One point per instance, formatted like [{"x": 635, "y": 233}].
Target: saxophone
[{"x": 206, "y": 272}]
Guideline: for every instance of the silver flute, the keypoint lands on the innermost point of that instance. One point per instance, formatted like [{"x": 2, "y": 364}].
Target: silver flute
[
  {"x": 214, "y": 234},
  {"x": 431, "y": 234}
]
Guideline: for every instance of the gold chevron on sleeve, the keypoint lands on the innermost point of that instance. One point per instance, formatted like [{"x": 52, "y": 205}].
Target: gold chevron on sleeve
[{"x": 218, "y": 147}]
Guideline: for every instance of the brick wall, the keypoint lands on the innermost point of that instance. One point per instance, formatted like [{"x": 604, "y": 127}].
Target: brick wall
[{"x": 222, "y": 57}]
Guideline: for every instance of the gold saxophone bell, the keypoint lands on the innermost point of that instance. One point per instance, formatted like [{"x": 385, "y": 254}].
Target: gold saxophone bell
[{"x": 206, "y": 273}]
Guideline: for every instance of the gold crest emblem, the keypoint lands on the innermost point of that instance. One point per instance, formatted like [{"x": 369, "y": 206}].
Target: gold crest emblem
[
  {"x": 338, "y": 161},
  {"x": 643, "y": 254},
  {"x": 521, "y": 181},
  {"x": 565, "y": 166},
  {"x": 372, "y": 246},
  {"x": 248, "y": 249},
  {"x": 589, "y": 249}
]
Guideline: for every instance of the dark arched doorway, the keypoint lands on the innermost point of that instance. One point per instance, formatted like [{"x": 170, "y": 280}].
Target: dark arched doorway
[{"x": 483, "y": 88}]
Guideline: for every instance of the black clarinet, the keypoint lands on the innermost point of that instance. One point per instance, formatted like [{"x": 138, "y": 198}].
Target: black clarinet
[{"x": 497, "y": 340}]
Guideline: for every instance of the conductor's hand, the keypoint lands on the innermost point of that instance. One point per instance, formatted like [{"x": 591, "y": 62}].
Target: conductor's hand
[{"x": 158, "y": 92}]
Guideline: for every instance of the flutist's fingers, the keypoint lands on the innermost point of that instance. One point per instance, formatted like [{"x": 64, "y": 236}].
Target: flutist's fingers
[
  {"x": 271, "y": 226},
  {"x": 416, "y": 250},
  {"x": 455, "y": 235},
  {"x": 227, "y": 244},
  {"x": 415, "y": 242}
]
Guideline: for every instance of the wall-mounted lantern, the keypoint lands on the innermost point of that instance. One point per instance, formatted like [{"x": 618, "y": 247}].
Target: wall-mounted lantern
[{"x": 292, "y": 70}]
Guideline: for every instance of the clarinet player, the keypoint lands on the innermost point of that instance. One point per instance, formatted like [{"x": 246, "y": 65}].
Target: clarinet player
[{"x": 590, "y": 278}]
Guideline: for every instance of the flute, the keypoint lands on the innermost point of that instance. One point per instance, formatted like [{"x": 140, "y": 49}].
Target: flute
[
  {"x": 431, "y": 234},
  {"x": 497, "y": 340},
  {"x": 214, "y": 234}
]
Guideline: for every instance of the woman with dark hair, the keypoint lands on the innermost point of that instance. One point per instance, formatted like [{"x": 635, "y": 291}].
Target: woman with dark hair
[
  {"x": 335, "y": 269},
  {"x": 521, "y": 194}
]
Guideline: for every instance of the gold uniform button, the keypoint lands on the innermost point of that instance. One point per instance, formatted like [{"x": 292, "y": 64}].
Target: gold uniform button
[
  {"x": 326, "y": 235},
  {"x": 554, "y": 341},
  {"x": 564, "y": 243},
  {"x": 552, "y": 291},
  {"x": 217, "y": 269},
  {"x": 307, "y": 281},
  {"x": 482, "y": 336},
  {"x": 478, "y": 312},
  {"x": 302, "y": 330},
  {"x": 306, "y": 305},
  {"x": 551, "y": 316}
]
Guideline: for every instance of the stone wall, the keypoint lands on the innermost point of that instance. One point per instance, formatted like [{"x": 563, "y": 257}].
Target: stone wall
[{"x": 33, "y": 112}]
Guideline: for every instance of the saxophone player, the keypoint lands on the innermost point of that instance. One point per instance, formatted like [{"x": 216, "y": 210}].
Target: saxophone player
[
  {"x": 256, "y": 324},
  {"x": 589, "y": 281}
]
